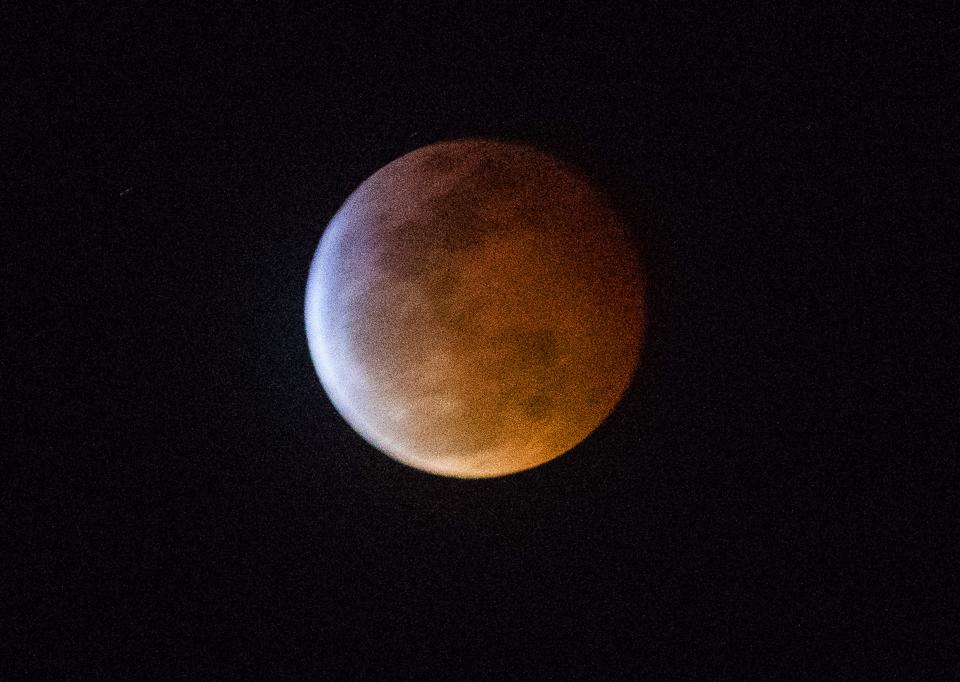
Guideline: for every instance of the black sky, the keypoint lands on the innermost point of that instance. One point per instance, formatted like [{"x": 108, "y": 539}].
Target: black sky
[{"x": 186, "y": 502}]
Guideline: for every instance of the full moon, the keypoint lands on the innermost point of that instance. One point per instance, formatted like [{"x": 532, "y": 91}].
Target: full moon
[{"x": 475, "y": 308}]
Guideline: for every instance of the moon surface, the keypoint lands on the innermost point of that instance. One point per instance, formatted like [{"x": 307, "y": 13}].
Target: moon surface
[{"x": 475, "y": 309}]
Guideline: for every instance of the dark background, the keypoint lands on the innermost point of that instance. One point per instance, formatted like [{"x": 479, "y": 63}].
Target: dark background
[{"x": 184, "y": 501}]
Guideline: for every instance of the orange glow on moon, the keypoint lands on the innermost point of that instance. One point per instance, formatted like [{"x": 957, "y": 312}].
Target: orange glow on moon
[{"x": 475, "y": 309}]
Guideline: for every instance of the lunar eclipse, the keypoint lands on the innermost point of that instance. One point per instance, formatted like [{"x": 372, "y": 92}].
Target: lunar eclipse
[{"x": 475, "y": 308}]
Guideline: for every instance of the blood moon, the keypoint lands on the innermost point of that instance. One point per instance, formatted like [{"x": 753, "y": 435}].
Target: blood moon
[{"x": 475, "y": 309}]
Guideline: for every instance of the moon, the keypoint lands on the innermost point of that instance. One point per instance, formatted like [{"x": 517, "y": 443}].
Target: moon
[{"x": 475, "y": 309}]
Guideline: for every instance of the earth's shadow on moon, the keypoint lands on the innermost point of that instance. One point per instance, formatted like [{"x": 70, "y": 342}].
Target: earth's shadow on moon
[
  {"x": 626, "y": 446},
  {"x": 371, "y": 252}
]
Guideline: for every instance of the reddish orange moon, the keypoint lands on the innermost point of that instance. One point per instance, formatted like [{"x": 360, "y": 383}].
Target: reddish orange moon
[{"x": 475, "y": 308}]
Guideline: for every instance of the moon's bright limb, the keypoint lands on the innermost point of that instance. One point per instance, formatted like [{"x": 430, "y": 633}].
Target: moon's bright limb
[{"x": 474, "y": 309}]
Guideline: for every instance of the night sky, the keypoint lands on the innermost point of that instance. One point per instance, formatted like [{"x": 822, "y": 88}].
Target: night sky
[{"x": 186, "y": 502}]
